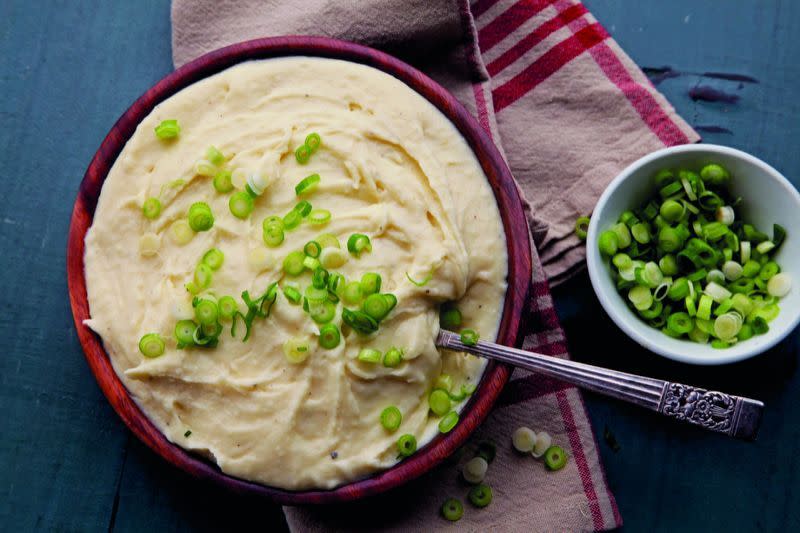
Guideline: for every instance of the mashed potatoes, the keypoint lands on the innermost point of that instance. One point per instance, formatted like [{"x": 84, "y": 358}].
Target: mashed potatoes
[{"x": 393, "y": 168}]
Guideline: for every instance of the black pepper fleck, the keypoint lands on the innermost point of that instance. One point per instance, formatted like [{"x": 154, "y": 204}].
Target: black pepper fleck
[{"x": 334, "y": 454}]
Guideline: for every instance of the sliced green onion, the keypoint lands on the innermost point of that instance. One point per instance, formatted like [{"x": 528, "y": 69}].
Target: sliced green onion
[
  {"x": 329, "y": 336},
  {"x": 293, "y": 263},
  {"x": 332, "y": 257},
  {"x": 302, "y": 154},
  {"x": 222, "y": 181},
  {"x": 691, "y": 307},
  {"x": 358, "y": 243},
  {"x": 765, "y": 247},
  {"x": 151, "y": 208},
  {"x": 444, "y": 382},
  {"x": 717, "y": 276},
  {"x": 581, "y": 227},
  {"x": 406, "y": 445},
  {"x": 295, "y": 350},
  {"x": 168, "y": 129},
  {"x": 678, "y": 290},
  {"x": 669, "y": 240},
  {"x": 450, "y": 318},
  {"x": 641, "y": 297},
  {"x": 668, "y": 265},
  {"x": 152, "y": 345},
  {"x": 370, "y": 283},
  {"x": 680, "y": 323},
  {"x": 746, "y": 332},
  {"x": 487, "y": 450},
  {"x": 241, "y": 204},
  {"x": 307, "y": 184},
  {"x": 469, "y": 337},
  {"x": 316, "y": 294},
  {"x": 670, "y": 189},
  {"x": 699, "y": 336},
  {"x": 292, "y": 294},
  {"x": 328, "y": 240},
  {"x": 303, "y": 207},
  {"x": 312, "y": 249},
  {"x": 184, "y": 332},
  {"x": 368, "y": 355},
  {"x": 393, "y": 357},
  {"x": 717, "y": 292},
  {"x": 725, "y": 215},
  {"x": 727, "y": 326},
  {"x": 779, "y": 285},
  {"x": 704, "y": 307},
  {"x": 732, "y": 270},
  {"x": 311, "y": 263},
  {"x": 203, "y": 276},
  {"x": 227, "y": 307},
  {"x": 768, "y": 270},
  {"x": 206, "y": 312},
  {"x": 214, "y": 258},
  {"x": 319, "y": 216},
  {"x": 322, "y": 312},
  {"x": 714, "y": 231},
  {"x": 448, "y": 422},
  {"x": 623, "y": 234},
  {"x": 724, "y": 306},
  {"x": 608, "y": 243},
  {"x": 352, "y": 293},
  {"x": 360, "y": 322},
  {"x": 313, "y": 142},
  {"x": 391, "y": 418},
  {"x": 714, "y": 174},
  {"x": 336, "y": 283},
  {"x": 480, "y": 495},
  {"x": 273, "y": 235},
  {"x": 204, "y": 168},
  {"x": 672, "y": 211},
  {"x": 376, "y": 306},
  {"x": 622, "y": 261},
  {"x": 292, "y": 219},
  {"x": 555, "y": 458},
  {"x": 452, "y": 510},
  {"x": 319, "y": 278},
  {"x": 759, "y": 325},
  {"x": 439, "y": 402}
]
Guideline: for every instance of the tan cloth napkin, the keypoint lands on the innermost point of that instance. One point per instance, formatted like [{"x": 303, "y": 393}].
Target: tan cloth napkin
[{"x": 569, "y": 109}]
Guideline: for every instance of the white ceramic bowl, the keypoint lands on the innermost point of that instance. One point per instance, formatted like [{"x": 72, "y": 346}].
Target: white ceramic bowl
[{"x": 768, "y": 198}]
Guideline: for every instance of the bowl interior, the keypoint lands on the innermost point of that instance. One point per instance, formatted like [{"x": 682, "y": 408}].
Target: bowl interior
[
  {"x": 500, "y": 179},
  {"x": 767, "y": 198}
]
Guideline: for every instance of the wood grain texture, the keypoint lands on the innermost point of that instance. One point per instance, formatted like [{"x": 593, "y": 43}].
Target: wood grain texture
[
  {"x": 511, "y": 212},
  {"x": 69, "y": 69}
]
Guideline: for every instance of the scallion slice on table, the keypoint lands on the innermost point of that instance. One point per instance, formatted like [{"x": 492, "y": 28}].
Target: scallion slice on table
[
  {"x": 168, "y": 129},
  {"x": 452, "y": 510},
  {"x": 474, "y": 470},
  {"x": 480, "y": 495},
  {"x": 152, "y": 345},
  {"x": 690, "y": 265},
  {"x": 555, "y": 458},
  {"x": 391, "y": 418},
  {"x": 581, "y": 227}
]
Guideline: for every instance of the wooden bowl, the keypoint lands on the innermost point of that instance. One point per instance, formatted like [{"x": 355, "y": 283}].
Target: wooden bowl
[{"x": 511, "y": 211}]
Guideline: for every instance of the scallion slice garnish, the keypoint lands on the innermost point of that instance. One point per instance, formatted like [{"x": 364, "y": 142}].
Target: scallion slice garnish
[
  {"x": 360, "y": 322},
  {"x": 448, "y": 422},
  {"x": 313, "y": 142},
  {"x": 393, "y": 357},
  {"x": 151, "y": 208},
  {"x": 449, "y": 317},
  {"x": 214, "y": 258},
  {"x": 307, "y": 185},
  {"x": 469, "y": 337},
  {"x": 223, "y": 182},
  {"x": 184, "y": 332},
  {"x": 369, "y": 355},
  {"x": 319, "y": 216},
  {"x": 406, "y": 445},
  {"x": 302, "y": 154},
  {"x": 329, "y": 336},
  {"x": 439, "y": 402},
  {"x": 358, "y": 243},
  {"x": 370, "y": 283},
  {"x": 312, "y": 249},
  {"x": 168, "y": 129},
  {"x": 216, "y": 157},
  {"x": 296, "y": 350},
  {"x": 391, "y": 418},
  {"x": 152, "y": 345},
  {"x": 241, "y": 204}
]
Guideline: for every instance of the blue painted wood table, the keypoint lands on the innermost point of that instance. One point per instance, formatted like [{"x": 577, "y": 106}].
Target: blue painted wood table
[{"x": 69, "y": 69}]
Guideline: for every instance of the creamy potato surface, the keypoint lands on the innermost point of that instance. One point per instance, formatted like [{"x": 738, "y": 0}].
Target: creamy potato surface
[{"x": 391, "y": 167}]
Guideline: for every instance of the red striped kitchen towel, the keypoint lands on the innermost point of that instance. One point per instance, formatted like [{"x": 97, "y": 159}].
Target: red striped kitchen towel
[{"x": 569, "y": 109}]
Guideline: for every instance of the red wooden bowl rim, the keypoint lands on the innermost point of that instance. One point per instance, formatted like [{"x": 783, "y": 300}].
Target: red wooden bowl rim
[{"x": 505, "y": 190}]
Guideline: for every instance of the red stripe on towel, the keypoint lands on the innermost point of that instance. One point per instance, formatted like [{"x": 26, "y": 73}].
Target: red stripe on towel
[{"x": 508, "y": 21}]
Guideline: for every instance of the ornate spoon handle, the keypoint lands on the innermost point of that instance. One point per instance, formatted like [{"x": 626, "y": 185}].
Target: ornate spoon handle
[{"x": 736, "y": 416}]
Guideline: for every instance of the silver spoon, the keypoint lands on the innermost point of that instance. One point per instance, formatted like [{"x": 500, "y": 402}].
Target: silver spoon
[{"x": 716, "y": 411}]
